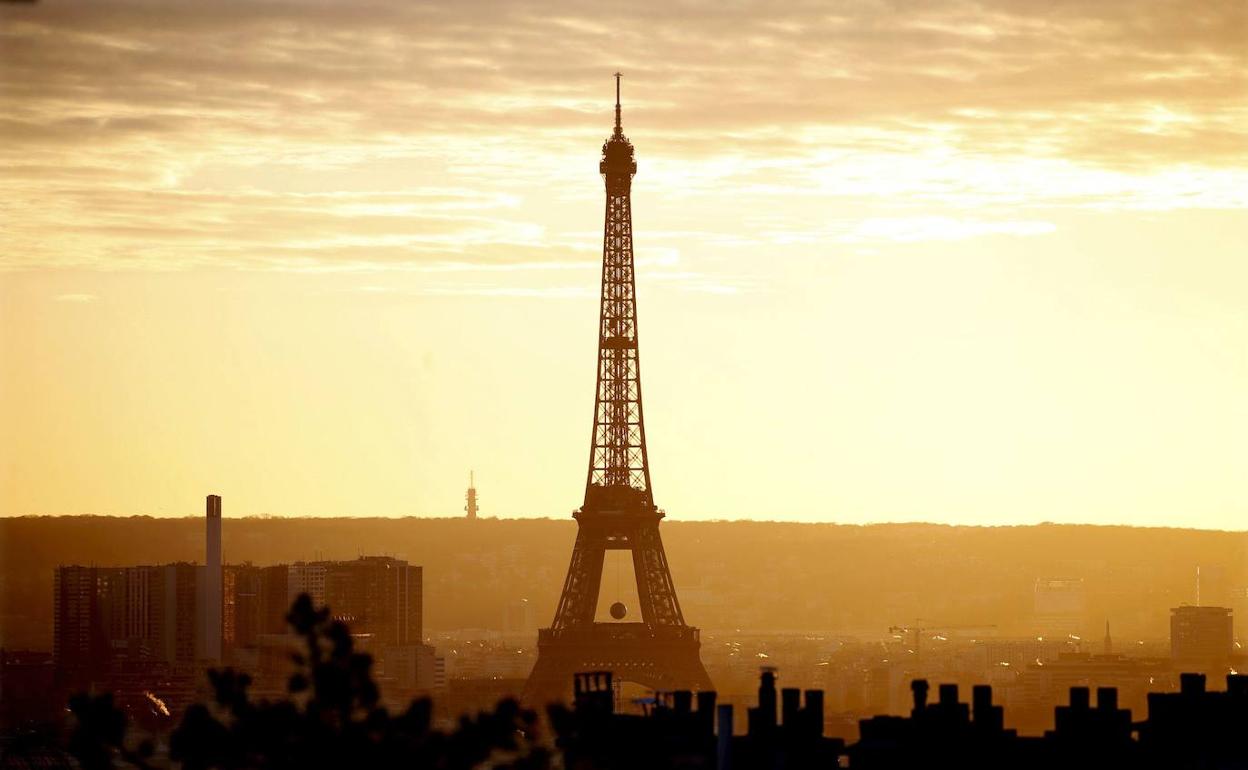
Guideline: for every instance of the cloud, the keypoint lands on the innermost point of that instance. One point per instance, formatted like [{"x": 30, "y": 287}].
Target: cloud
[
  {"x": 374, "y": 136},
  {"x": 914, "y": 229},
  {"x": 483, "y": 290},
  {"x": 76, "y": 298}
]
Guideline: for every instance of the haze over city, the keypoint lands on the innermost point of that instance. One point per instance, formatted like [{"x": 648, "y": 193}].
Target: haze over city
[
  {"x": 308, "y": 309},
  {"x": 950, "y": 262}
]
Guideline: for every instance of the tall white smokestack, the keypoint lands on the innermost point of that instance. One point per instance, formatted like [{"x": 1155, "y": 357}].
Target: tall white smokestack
[{"x": 212, "y": 582}]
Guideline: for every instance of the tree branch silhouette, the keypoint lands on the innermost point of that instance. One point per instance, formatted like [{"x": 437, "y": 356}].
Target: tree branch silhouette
[{"x": 331, "y": 718}]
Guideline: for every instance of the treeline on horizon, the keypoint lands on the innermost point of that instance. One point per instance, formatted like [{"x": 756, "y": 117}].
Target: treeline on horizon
[{"x": 752, "y": 576}]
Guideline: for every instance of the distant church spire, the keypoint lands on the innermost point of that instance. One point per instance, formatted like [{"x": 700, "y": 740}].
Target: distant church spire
[{"x": 1109, "y": 642}]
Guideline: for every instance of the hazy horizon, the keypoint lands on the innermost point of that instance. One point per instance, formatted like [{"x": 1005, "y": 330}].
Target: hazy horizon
[
  {"x": 690, "y": 518},
  {"x": 325, "y": 327},
  {"x": 757, "y": 575},
  {"x": 966, "y": 263}
]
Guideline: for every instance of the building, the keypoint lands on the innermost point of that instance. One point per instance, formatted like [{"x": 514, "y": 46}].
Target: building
[
  {"x": 1201, "y": 636},
  {"x": 951, "y": 733},
  {"x": 127, "y": 627},
  {"x": 27, "y": 684},
  {"x": 410, "y": 669},
  {"x": 379, "y": 597},
  {"x": 256, "y": 600},
  {"x": 1195, "y": 727},
  {"x": 693, "y": 730},
  {"x": 306, "y": 578},
  {"x": 1041, "y": 685},
  {"x": 103, "y": 616},
  {"x": 77, "y": 627},
  {"x": 519, "y": 619},
  {"x": 180, "y": 632},
  {"x": 131, "y": 607},
  {"x": 1060, "y": 607}
]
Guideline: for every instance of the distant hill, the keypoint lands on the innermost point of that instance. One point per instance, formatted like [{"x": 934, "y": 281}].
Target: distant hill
[{"x": 744, "y": 574}]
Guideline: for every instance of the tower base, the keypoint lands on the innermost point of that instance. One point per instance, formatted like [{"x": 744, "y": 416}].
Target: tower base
[{"x": 662, "y": 658}]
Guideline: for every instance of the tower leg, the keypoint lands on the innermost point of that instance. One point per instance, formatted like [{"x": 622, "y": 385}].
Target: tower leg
[{"x": 579, "y": 601}]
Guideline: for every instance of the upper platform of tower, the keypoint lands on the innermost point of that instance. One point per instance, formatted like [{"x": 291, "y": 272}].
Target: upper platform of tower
[{"x": 617, "y": 151}]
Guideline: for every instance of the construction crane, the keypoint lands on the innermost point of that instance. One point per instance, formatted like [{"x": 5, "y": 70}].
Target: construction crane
[{"x": 916, "y": 631}]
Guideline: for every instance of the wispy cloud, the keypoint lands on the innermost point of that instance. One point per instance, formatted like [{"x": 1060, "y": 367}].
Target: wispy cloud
[
  {"x": 940, "y": 229},
  {"x": 482, "y": 290},
  {"x": 388, "y": 136}
]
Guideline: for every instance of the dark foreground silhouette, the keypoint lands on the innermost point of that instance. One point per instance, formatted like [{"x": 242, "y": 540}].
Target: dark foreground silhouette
[{"x": 332, "y": 719}]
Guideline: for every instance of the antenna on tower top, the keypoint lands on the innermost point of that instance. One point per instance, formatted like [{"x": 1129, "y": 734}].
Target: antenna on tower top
[{"x": 618, "y": 128}]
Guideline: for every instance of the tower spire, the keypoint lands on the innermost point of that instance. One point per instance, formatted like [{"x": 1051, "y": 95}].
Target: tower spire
[{"x": 619, "y": 129}]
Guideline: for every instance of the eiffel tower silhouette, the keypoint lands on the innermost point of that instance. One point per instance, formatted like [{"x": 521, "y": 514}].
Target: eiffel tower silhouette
[{"x": 660, "y": 651}]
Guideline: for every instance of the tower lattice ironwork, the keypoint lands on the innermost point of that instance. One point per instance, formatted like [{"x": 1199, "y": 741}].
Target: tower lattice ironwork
[{"x": 618, "y": 512}]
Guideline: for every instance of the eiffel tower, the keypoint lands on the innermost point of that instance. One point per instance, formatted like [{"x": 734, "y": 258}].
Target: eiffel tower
[{"x": 660, "y": 651}]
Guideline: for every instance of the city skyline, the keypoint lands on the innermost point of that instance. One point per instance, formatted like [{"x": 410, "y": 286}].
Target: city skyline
[
  {"x": 964, "y": 264},
  {"x": 940, "y": 460}
]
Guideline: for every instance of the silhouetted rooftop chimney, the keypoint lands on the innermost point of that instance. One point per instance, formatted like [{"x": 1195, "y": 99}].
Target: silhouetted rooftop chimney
[
  {"x": 1080, "y": 698},
  {"x": 1237, "y": 685},
  {"x": 1107, "y": 698},
  {"x": 919, "y": 689},
  {"x": 790, "y": 703},
  {"x": 723, "y": 738},
  {"x": 981, "y": 701},
  {"x": 682, "y": 702},
  {"x": 767, "y": 698},
  {"x": 814, "y": 711},
  {"x": 1191, "y": 684},
  {"x": 706, "y": 710}
]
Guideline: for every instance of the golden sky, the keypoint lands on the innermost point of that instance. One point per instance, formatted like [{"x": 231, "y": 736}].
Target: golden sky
[{"x": 949, "y": 261}]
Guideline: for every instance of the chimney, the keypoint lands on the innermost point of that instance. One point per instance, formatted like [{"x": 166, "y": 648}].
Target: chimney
[
  {"x": 987, "y": 717},
  {"x": 790, "y": 703},
  {"x": 682, "y": 701},
  {"x": 212, "y": 582},
  {"x": 919, "y": 688},
  {"x": 706, "y": 711},
  {"x": 1237, "y": 685},
  {"x": 1080, "y": 699},
  {"x": 723, "y": 741},
  {"x": 1191, "y": 684},
  {"x": 981, "y": 702},
  {"x": 1107, "y": 698},
  {"x": 767, "y": 699},
  {"x": 814, "y": 712}
]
